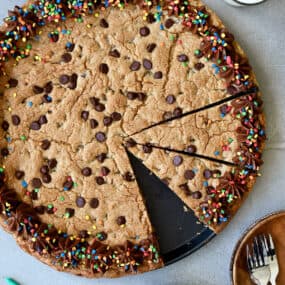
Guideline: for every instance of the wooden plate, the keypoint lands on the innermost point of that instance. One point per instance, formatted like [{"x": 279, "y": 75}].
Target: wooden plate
[{"x": 273, "y": 224}]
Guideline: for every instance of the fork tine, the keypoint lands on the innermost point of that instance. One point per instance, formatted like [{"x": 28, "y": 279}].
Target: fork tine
[
  {"x": 263, "y": 249},
  {"x": 265, "y": 241},
  {"x": 249, "y": 259},
  {"x": 257, "y": 252},
  {"x": 272, "y": 247}
]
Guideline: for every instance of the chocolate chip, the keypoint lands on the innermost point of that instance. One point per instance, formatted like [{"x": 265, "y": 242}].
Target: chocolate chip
[
  {"x": 182, "y": 58},
  {"x": 101, "y": 157},
  {"x": 52, "y": 163},
  {"x": 197, "y": 195},
  {"x": 132, "y": 95},
  {"x": 189, "y": 174},
  {"x": 45, "y": 144},
  {"x": 19, "y": 174},
  {"x": 210, "y": 190},
  {"x": 4, "y": 151},
  {"x": 232, "y": 90},
  {"x": 141, "y": 96},
  {"x": 83, "y": 234},
  {"x": 105, "y": 171},
  {"x": 177, "y": 112},
  {"x": 16, "y": 120},
  {"x": 150, "y": 18},
  {"x": 46, "y": 99},
  {"x": 93, "y": 124},
  {"x": 135, "y": 66},
  {"x": 157, "y": 75},
  {"x": 104, "y": 24},
  {"x": 114, "y": 53},
  {"x": 151, "y": 47},
  {"x": 168, "y": 23},
  {"x": 80, "y": 202},
  {"x": 48, "y": 87},
  {"x": 86, "y": 171},
  {"x": 167, "y": 115},
  {"x": 102, "y": 236},
  {"x": 94, "y": 203},
  {"x": 73, "y": 81},
  {"x": 70, "y": 47},
  {"x": 66, "y": 57},
  {"x": 128, "y": 176},
  {"x": 121, "y": 220},
  {"x": 199, "y": 65},
  {"x": 177, "y": 160},
  {"x": 44, "y": 169},
  {"x": 67, "y": 185},
  {"x": 147, "y": 148},
  {"x": 116, "y": 116},
  {"x": 185, "y": 188},
  {"x": 147, "y": 64},
  {"x": 35, "y": 126},
  {"x": 13, "y": 82},
  {"x": 37, "y": 89},
  {"x": 40, "y": 209},
  {"x": 84, "y": 115},
  {"x": 50, "y": 210},
  {"x": 170, "y": 99},
  {"x": 43, "y": 120},
  {"x": 103, "y": 68},
  {"x": 46, "y": 178},
  {"x": 36, "y": 182},
  {"x": 5, "y": 125},
  {"x": 224, "y": 109},
  {"x": 64, "y": 79},
  {"x": 94, "y": 101},
  {"x": 100, "y": 107},
  {"x": 165, "y": 180},
  {"x": 191, "y": 148},
  {"x": 207, "y": 173},
  {"x": 99, "y": 180},
  {"x": 144, "y": 31},
  {"x": 107, "y": 121},
  {"x": 69, "y": 212},
  {"x": 130, "y": 143},
  {"x": 100, "y": 137}
]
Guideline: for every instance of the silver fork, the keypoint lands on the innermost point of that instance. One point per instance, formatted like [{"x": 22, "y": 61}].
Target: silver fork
[
  {"x": 272, "y": 259},
  {"x": 257, "y": 262}
]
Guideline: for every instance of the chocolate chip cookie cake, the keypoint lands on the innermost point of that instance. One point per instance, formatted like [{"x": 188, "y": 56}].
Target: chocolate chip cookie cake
[{"x": 83, "y": 85}]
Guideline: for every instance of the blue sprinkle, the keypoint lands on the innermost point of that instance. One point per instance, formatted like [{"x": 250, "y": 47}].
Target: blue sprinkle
[
  {"x": 216, "y": 153},
  {"x": 9, "y": 139},
  {"x": 161, "y": 27},
  {"x": 93, "y": 251},
  {"x": 205, "y": 183},
  {"x": 24, "y": 184},
  {"x": 29, "y": 103}
]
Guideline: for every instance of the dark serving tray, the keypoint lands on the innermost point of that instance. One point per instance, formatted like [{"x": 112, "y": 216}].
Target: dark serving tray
[{"x": 178, "y": 230}]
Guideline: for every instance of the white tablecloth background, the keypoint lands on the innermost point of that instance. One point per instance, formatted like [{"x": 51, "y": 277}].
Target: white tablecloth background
[{"x": 261, "y": 32}]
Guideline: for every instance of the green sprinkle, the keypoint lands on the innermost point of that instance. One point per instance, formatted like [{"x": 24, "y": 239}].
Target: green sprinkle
[
  {"x": 61, "y": 198},
  {"x": 230, "y": 140},
  {"x": 172, "y": 37},
  {"x": 11, "y": 281},
  {"x": 1, "y": 169},
  {"x": 185, "y": 64},
  {"x": 50, "y": 206},
  {"x": 23, "y": 138},
  {"x": 75, "y": 184},
  {"x": 37, "y": 190}
]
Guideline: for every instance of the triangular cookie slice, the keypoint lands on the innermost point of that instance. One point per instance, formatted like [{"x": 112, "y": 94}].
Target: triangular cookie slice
[
  {"x": 194, "y": 180},
  {"x": 217, "y": 132}
]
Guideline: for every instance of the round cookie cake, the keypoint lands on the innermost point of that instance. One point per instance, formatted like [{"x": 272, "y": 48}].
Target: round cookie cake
[{"x": 85, "y": 82}]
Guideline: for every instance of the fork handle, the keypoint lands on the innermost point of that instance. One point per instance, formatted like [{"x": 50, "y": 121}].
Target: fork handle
[{"x": 272, "y": 282}]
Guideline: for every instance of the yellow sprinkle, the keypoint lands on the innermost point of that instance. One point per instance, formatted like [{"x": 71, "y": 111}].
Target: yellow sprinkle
[
  {"x": 96, "y": 15},
  {"x": 14, "y": 95},
  {"x": 24, "y": 39},
  {"x": 9, "y": 109},
  {"x": 87, "y": 217},
  {"x": 94, "y": 227},
  {"x": 89, "y": 26}
]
